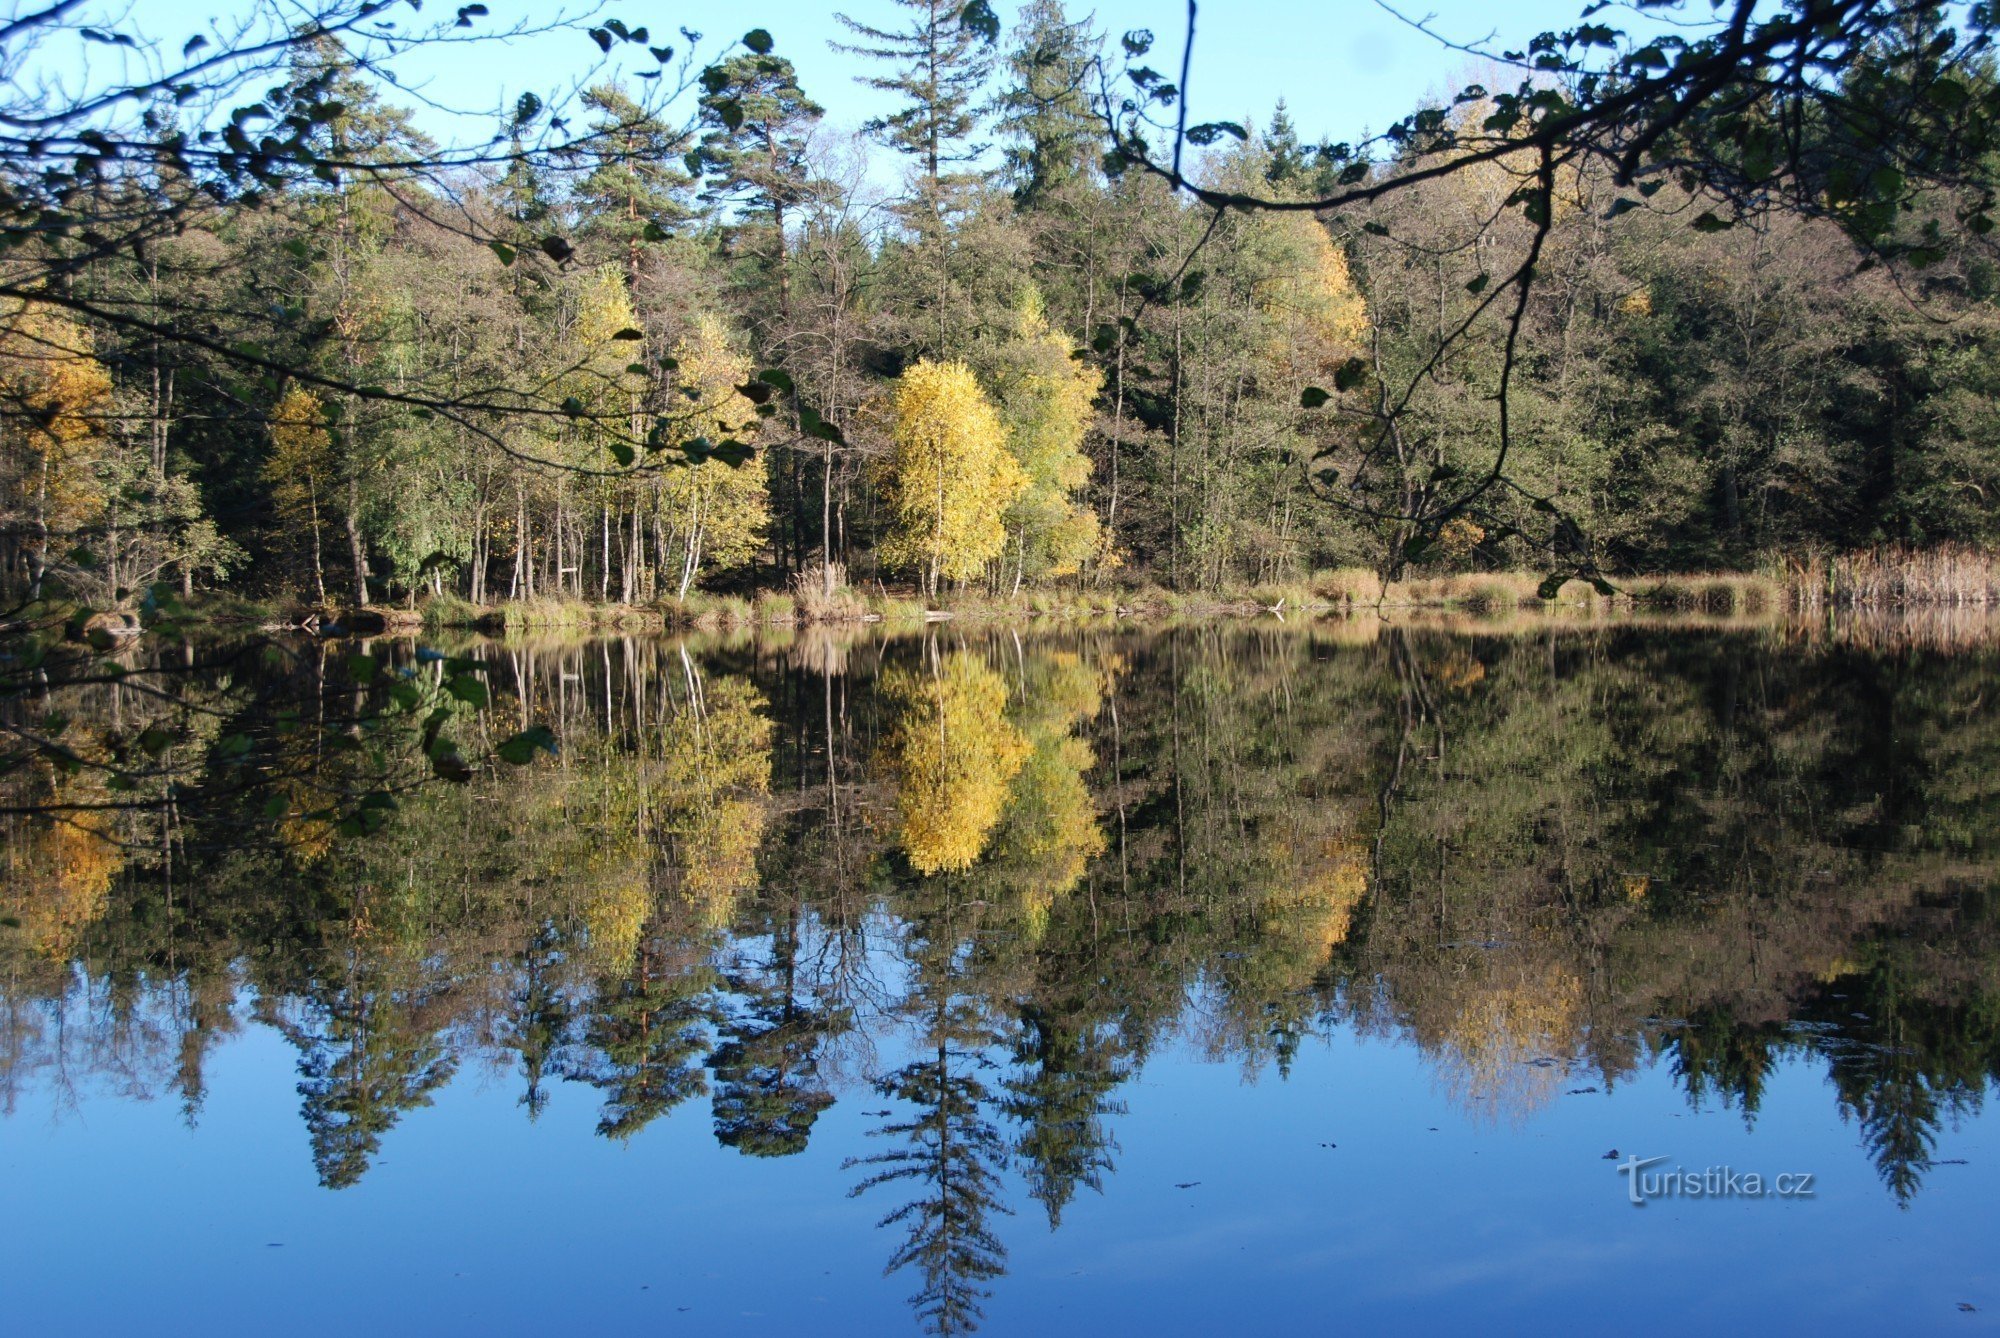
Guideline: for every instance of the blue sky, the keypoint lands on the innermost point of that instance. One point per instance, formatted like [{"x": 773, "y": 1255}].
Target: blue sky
[{"x": 1344, "y": 67}]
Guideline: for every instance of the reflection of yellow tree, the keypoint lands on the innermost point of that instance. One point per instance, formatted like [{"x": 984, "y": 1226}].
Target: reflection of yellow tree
[
  {"x": 1320, "y": 910},
  {"x": 1505, "y": 1050},
  {"x": 58, "y": 878},
  {"x": 614, "y": 914},
  {"x": 1051, "y": 832},
  {"x": 716, "y": 777},
  {"x": 953, "y": 753}
]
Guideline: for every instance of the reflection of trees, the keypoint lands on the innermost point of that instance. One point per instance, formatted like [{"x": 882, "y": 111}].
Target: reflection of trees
[
  {"x": 371, "y": 1046},
  {"x": 769, "y": 1090},
  {"x": 645, "y": 1037},
  {"x": 1049, "y": 830},
  {"x": 58, "y": 874},
  {"x": 1516, "y": 855},
  {"x": 949, "y": 1160},
  {"x": 714, "y": 776},
  {"x": 953, "y": 753},
  {"x": 539, "y": 1016},
  {"x": 1060, "y": 1095}
]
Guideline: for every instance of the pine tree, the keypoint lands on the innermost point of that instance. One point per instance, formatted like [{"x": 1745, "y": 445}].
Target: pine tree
[
  {"x": 638, "y": 186},
  {"x": 944, "y": 61},
  {"x": 758, "y": 163},
  {"x": 1045, "y": 111}
]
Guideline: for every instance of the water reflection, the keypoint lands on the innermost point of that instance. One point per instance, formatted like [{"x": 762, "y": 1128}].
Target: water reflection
[{"x": 977, "y": 880}]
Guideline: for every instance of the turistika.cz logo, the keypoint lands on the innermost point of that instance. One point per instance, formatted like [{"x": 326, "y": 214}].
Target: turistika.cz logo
[{"x": 1709, "y": 1182}]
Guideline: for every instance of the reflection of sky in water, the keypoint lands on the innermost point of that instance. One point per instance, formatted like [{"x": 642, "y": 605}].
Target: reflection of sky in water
[{"x": 114, "y": 1216}]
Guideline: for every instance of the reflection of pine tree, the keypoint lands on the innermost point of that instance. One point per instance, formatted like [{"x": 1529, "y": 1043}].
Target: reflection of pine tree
[
  {"x": 1714, "y": 1053},
  {"x": 768, "y": 1091},
  {"x": 644, "y": 1042},
  {"x": 1898, "y": 1115},
  {"x": 367, "y": 1055},
  {"x": 952, "y": 1155},
  {"x": 767, "y": 1088},
  {"x": 1060, "y": 1099},
  {"x": 541, "y": 1016},
  {"x": 1901, "y": 1074}
]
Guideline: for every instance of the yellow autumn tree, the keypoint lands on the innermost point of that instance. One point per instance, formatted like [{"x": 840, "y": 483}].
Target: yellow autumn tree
[
  {"x": 300, "y": 470},
  {"x": 953, "y": 755},
  {"x": 55, "y": 394},
  {"x": 718, "y": 511},
  {"x": 1318, "y": 318},
  {"x": 949, "y": 478},
  {"x": 1045, "y": 398}
]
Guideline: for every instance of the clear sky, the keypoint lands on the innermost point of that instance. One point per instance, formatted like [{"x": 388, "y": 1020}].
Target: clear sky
[{"x": 1344, "y": 67}]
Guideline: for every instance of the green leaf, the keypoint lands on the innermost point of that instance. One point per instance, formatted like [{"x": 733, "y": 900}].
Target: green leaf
[
  {"x": 758, "y": 41},
  {"x": 1621, "y": 205},
  {"x": 504, "y": 251},
  {"x": 574, "y": 407},
  {"x": 814, "y": 425},
  {"x": 979, "y": 19},
  {"x": 772, "y": 376},
  {"x": 520, "y": 750},
  {"x": 468, "y": 689},
  {"x": 1210, "y": 131},
  {"x": 621, "y": 452},
  {"x": 1312, "y": 397},
  {"x": 362, "y": 669},
  {"x": 628, "y": 334},
  {"x": 1708, "y": 222},
  {"x": 1551, "y": 585},
  {"x": 1478, "y": 285},
  {"x": 448, "y": 765},
  {"x": 1349, "y": 375}
]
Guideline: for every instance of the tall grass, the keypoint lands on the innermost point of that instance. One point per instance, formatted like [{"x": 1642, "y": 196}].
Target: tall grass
[
  {"x": 1950, "y": 576},
  {"x": 1347, "y": 587}
]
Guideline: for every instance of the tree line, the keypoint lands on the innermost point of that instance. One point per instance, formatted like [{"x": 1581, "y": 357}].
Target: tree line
[{"x": 695, "y": 350}]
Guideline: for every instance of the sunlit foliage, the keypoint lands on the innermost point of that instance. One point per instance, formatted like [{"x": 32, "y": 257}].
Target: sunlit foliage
[{"x": 949, "y": 479}]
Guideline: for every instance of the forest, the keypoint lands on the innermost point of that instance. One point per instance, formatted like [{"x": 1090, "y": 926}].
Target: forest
[{"x": 700, "y": 349}]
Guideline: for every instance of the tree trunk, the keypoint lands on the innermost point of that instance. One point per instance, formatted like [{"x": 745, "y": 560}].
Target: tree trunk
[{"x": 356, "y": 549}]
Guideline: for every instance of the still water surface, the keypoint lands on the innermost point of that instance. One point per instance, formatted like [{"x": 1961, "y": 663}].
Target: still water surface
[{"x": 1216, "y": 980}]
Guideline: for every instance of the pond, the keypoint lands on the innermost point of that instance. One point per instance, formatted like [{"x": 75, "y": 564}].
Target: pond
[{"x": 1243, "y": 978}]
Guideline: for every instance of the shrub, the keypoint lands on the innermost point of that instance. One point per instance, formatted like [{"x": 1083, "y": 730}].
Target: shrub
[{"x": 1347, "y": 586}]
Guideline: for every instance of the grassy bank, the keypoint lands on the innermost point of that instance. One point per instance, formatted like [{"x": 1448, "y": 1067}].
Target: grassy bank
[{"x": 1882, "y": 580}]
